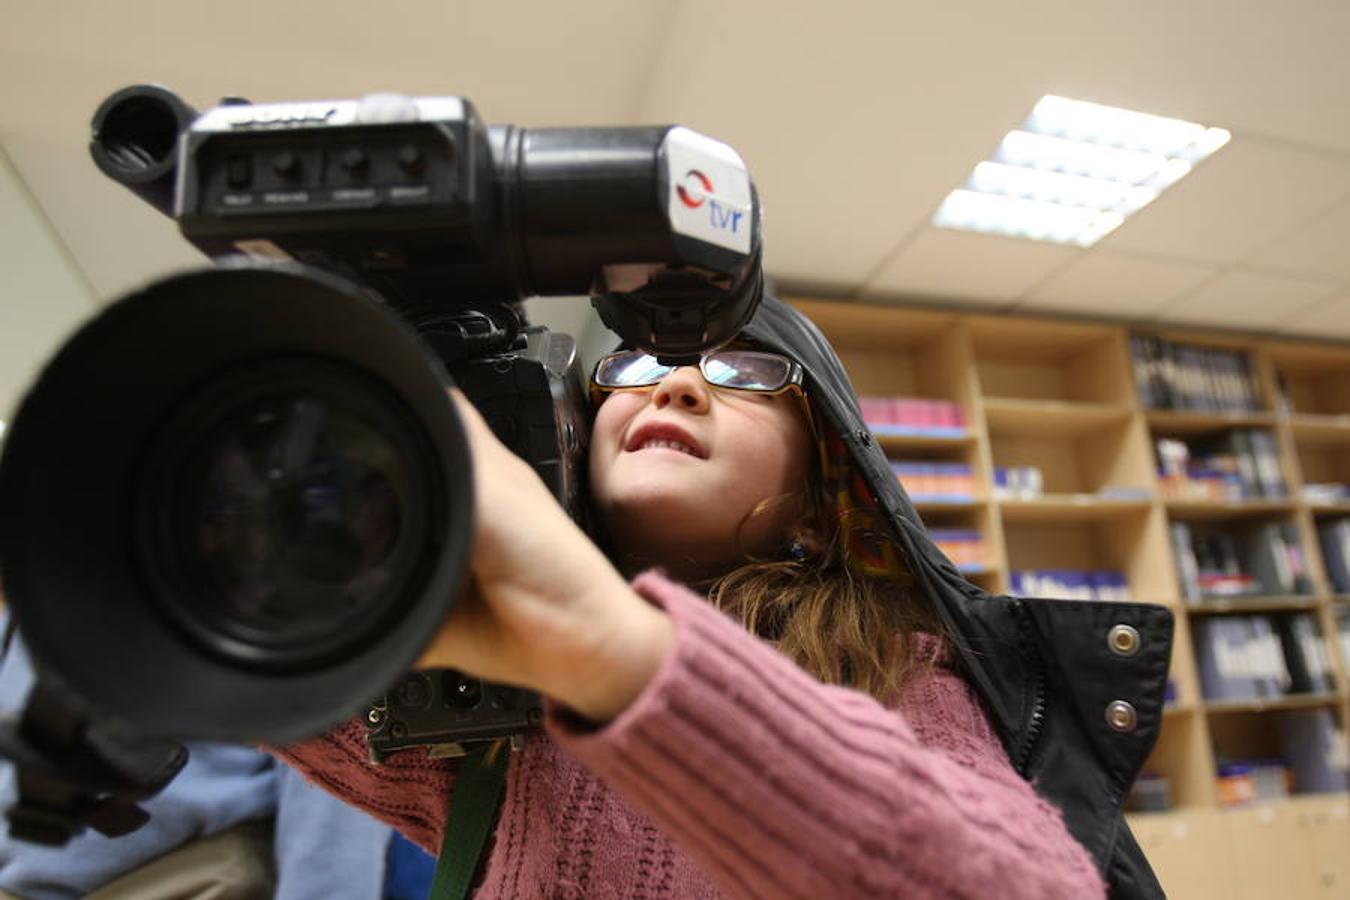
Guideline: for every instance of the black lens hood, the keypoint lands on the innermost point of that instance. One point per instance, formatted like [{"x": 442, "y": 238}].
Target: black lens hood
[{"x": 69, "y": 474}]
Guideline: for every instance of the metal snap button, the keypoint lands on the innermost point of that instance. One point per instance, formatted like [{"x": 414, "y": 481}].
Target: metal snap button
[
  {"x": 1121, "y": 716},
  {"x": 1123, "y": 640}
]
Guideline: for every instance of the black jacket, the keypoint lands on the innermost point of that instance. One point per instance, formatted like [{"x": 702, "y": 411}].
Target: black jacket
[{"x": 1044, "y": 668}]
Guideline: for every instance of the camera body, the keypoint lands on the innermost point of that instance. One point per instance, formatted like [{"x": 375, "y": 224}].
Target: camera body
[
  {"x": 420, "y": 202},
  {"x": 272, "y": 510}
]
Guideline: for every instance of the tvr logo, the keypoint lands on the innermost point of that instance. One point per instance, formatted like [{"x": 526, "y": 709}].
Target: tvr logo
[{"x": 696, "y": 189}]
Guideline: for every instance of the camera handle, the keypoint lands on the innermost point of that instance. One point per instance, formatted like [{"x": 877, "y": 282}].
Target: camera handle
[{"x": 73, "y": 773}]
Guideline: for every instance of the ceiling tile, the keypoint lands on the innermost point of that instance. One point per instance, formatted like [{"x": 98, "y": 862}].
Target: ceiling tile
[
  {"x": 961, "y": 265},
  {"x": 1245, "y": 299},
  {"x": 1317, "y": 248},
  {"x": 1245, "y": 196},
  {"x": 1327, "y": 320},
  {"x": 1113, "y": 284}
]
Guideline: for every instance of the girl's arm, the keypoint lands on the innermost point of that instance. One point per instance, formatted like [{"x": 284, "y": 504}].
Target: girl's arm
[{"x": 782, "y": 787}]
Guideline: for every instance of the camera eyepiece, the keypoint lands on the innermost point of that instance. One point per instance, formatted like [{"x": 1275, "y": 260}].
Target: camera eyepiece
[{"x": 135, "y": 141}]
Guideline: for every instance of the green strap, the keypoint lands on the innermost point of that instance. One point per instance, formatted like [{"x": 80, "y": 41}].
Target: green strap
[{"x": 473, "y": 812}]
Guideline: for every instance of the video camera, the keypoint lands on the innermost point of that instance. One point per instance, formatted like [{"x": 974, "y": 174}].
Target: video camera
[{"x": 237, "y": 503}]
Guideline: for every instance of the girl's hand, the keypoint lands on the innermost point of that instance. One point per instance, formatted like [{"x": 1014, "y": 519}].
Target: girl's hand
[{"x": 545, "y": 608}]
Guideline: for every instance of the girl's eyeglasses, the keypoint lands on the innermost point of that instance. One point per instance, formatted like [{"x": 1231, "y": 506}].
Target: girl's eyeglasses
[
  {"x": 754, "y": 371},
  {"x": 736, "y": 370}
]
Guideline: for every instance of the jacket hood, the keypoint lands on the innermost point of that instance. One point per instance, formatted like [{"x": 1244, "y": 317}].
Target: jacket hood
[{"x": 1044, "y": 668}]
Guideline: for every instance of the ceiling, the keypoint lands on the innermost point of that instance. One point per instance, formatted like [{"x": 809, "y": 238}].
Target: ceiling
[{"x": 856, "y": 119}]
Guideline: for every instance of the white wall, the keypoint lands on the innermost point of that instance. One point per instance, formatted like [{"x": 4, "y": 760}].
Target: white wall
[{"x": 43, "y": 294}]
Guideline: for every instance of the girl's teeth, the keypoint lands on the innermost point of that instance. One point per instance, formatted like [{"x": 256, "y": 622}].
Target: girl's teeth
[{"x": 666, "y": 445}]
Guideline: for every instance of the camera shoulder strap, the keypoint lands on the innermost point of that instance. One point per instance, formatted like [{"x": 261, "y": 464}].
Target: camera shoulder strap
[
  {"x": 73, "y": 773},
  {"x": 474, "y": 805}
]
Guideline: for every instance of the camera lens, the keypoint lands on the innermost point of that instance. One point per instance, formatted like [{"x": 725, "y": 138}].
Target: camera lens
[
  {"x": 291, "y": 528},
  {"x": 282, "y": 509}
]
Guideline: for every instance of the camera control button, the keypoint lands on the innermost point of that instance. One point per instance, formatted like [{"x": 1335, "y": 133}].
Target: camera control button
[
  {"x": 410, "y": 159},
  {"x": 239, "y": 171},
  {"x": 286, "y": 164},
  {"x": 355, "y": 161}
]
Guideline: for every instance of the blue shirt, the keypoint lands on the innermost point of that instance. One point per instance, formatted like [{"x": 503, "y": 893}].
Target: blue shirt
[{"x": 323, "y": 848}]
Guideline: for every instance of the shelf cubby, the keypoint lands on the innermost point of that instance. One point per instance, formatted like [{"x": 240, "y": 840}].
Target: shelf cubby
[
  {"x": 1312, "y": 380},
  {"x": 1082, "y": 452},
  {"x": 1067, "y": 363},
  {"x": 897, "y": 353},
  {"x": 1253, "y": 731},
  {"x": 1325, "y": 463},
  {"x": 1130, "y": 542}
]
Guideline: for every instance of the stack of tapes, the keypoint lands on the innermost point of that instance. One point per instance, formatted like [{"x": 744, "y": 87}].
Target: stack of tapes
[
  {"x": 940, "y": 482},
  {"x": 913, "y": 416},
  {"x": 1018, "y": 482},
  {"x": 964, "y": 547},
  {"x": 1070, "y": 584}
]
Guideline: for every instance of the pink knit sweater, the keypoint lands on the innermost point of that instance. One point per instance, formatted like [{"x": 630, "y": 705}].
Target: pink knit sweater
[{"x": 736, "y": 774}]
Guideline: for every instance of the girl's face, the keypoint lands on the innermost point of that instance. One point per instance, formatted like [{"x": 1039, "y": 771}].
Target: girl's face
[{"x": 678, "y": 469}]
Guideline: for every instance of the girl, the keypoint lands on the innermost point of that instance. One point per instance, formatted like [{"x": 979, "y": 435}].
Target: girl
[{"x": 802, "y": 724}]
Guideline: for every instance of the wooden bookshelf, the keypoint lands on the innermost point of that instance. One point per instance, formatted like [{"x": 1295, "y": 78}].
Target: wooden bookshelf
[
  {"x": 938, "y": 507},
  {"x": 1210, "y": 510},
  {"x": 1221, "y": 606},
  {"x": 1061, "y": 396},
  {"x": 1063, "y": 508},
  {"x": 895, "y": 444},
  {"x": 1191, "y": 423},
  {"x": 1274, "y": 704}
]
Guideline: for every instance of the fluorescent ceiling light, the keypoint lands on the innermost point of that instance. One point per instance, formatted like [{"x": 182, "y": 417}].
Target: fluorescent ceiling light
[{"x": 1075, "y": 170}]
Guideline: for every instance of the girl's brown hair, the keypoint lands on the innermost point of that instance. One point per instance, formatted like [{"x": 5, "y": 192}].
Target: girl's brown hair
[{"x": 842, "y": 626}]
